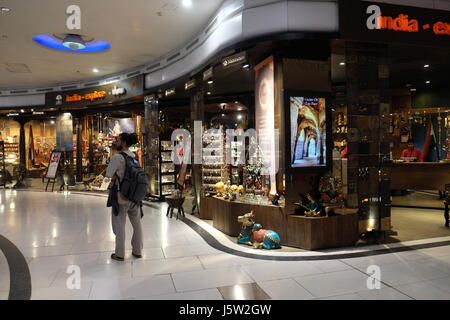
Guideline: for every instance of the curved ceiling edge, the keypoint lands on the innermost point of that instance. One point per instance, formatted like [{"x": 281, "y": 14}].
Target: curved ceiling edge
[{"x": 233, "y": 23}]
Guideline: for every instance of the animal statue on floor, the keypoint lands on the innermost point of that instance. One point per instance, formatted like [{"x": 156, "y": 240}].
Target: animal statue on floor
[{"x": 253, "y": 234}]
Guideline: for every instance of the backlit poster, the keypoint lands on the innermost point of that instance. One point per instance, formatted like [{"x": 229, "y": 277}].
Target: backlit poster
[
  {"x": 265, "y": 118},
  {"x": 308, "y": 131},
  {"x": 119, "y": 126}
]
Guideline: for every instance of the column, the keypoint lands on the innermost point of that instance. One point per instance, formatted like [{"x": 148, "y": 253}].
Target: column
[
  {"x": 79, "y": 174},
  {"x": 368, "y": 124},
  {"x": 197, "y": 114}
]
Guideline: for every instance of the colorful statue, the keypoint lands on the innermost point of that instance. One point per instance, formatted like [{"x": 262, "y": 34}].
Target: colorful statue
[
  {"x": 254, "y": 235},
  {"x": 330, "y": 188}
]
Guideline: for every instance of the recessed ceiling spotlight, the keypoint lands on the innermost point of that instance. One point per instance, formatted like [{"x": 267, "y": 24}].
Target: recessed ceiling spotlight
[
  {"x": 208, "y": 93},
  {"x": 95, "y": 70},
  {"x": 5, "y": 9},
  {"x": 52, "y": 121},
  {"x": 187, "y": 3},
  {"x": 412, "y": 90},
  {"x": 342, "y": 63},
  {"x": 239, "y": 117},
  {"x": 246, "y": 66},
  {"x": 426, "y": 66},
  {"x": 21, "y": 110},
  {"x": 210, "y": 82},
  {"x": 428, "y": 82},
  {"x": 223, "y": 114}
]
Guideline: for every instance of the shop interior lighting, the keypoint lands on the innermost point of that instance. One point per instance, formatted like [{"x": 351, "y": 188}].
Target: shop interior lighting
[
  {"x": 223, "y": 114},
  {"x": 187, "y": 3},
  {"x": 52, "y": 121},
  {"x": 210, "y": 82},
  {"x": 12, "y": 114},
  {"x": 412, "y": 90},
  {"x": 342, "y": 63},
  {"x": 5, "y": 10},
  {"x": 22, "y": 111},
  {"x": 246, "y": 66},
  {"x": 208, "y": 93},
  {"x": 428, "y": 82},
  {"x": 426, "y": 66},
  {"x": 95, "y": 70},
  {"x": 239, "y": 117}
]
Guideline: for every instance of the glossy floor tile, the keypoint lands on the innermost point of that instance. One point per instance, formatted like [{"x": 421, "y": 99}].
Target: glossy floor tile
[
  {"x": 249, "y": 291},
  {"x": 286, "y": 289}
]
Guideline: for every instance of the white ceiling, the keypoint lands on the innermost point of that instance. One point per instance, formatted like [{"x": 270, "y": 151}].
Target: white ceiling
[{"x": 135, "y": 30}]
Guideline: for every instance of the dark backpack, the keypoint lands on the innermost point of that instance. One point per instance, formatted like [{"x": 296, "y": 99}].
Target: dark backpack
[{"x": 134, "y": 185}]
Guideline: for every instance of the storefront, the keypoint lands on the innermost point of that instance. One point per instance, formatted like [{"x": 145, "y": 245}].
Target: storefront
[
  {"x": 324, "y": 109},
  {"x": 80, "y": 126}
]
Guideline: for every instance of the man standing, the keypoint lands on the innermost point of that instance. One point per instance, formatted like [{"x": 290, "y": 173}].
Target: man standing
[
  {"x": 121, "y": 206},
  {"x": 412, "y": 152}
]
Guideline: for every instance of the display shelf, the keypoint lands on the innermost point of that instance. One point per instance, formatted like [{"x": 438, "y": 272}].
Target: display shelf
[{"x": 2, "y": 165}]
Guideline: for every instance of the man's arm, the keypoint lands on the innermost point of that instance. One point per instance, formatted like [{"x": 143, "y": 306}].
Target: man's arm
[{"x": 112, "y": 167}]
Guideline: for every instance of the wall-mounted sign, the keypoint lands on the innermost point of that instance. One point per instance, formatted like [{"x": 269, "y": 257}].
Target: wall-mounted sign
[
  {"x": 112, "y": 92},
  {"x": 234, "y": 59},
  {"x": 208, "y": 74},
  {"x": 380, "y": 22},
  {"x": 190, "y": 84},
  {"x": 169, "y": 92}
]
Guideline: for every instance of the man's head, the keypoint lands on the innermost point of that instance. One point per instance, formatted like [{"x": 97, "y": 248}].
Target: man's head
[
  {"x": 125, "y": 140},
  {"x": 410, "y": 144}
]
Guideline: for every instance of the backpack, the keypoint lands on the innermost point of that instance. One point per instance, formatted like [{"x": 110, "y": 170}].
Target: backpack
[{"x": 134, "y": 185}]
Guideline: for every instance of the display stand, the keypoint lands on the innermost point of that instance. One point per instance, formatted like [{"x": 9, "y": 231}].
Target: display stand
[{"x": 2, "y": 165}]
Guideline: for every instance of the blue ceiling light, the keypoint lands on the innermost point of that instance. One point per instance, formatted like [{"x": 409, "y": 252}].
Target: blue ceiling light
[{"x": 71, "y": 42}]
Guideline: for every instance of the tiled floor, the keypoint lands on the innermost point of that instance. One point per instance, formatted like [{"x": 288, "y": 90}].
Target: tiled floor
[{"x": 54, "y": 231}]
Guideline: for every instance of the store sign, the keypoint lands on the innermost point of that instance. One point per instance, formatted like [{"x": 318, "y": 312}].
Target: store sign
[
  {"x": 234, "y": 59},
  {"x": 208, "y": 74},
  {"x": 53, "y": 165},
  {"x": 190, "y": 84},
  {"x": 112, "y": 92},
  {"x": 380, "y": 22},
  {"x": 169, "y": 92}
]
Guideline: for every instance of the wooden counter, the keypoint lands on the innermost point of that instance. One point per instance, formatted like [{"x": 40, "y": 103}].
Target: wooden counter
[
  {"x": 420, "y": 175},
  {"x": 295, "y": 231}
]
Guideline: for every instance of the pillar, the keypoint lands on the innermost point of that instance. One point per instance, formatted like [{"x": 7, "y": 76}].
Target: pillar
[
  {"x": 197, "y": 114},
  {"x": 79, "y": 173},
  {"x": 91, "y": 147},
  {"x": 151, "y": 143},
  {"x": 368, "y": 125}
]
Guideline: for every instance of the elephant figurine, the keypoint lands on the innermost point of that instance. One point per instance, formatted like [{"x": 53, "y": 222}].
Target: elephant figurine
[{"x": 253, "y": 234}]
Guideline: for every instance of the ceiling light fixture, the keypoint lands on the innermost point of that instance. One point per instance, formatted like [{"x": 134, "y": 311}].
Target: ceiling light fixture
[
  {"x": 239, "y": 117},
  {"x": 210, "y": 82},
  {"x": 246, "y": 66},
  {"x": 95, "y": 70},
  {"x": 426, "y": 66},
  {"x": 74, "y": 42},
  {"x": 428, "y": 82},
  {"x": 52, "y": 121},
  {"x": 208, "y": 93},
  {"x": 5, "y": 10},
  {"x": 342, "y": 63},
  {"x": 412, "y": 90},
  {"x": 187, "y": 3}
]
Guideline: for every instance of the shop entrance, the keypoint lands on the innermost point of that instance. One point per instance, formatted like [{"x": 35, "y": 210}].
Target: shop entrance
[{"x": 419, "y": 141}]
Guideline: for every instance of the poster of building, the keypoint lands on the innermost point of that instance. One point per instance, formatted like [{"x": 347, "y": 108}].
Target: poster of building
[{"x": 308, "y": 131}]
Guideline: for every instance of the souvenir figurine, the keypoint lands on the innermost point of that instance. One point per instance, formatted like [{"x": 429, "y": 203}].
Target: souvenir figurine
[
  {"x": 252, "y": 234},
  {"x": 241, "y": 190},
  {"x": 220, "y": 188}
]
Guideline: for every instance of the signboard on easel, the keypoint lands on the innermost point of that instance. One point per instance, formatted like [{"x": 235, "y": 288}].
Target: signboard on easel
[{"x": 53, "y": 165}]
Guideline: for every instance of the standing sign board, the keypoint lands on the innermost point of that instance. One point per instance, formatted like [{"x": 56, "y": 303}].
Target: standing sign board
[
  {"x": 53, "y": 165},
  {"x": 380, "y": 22}
]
